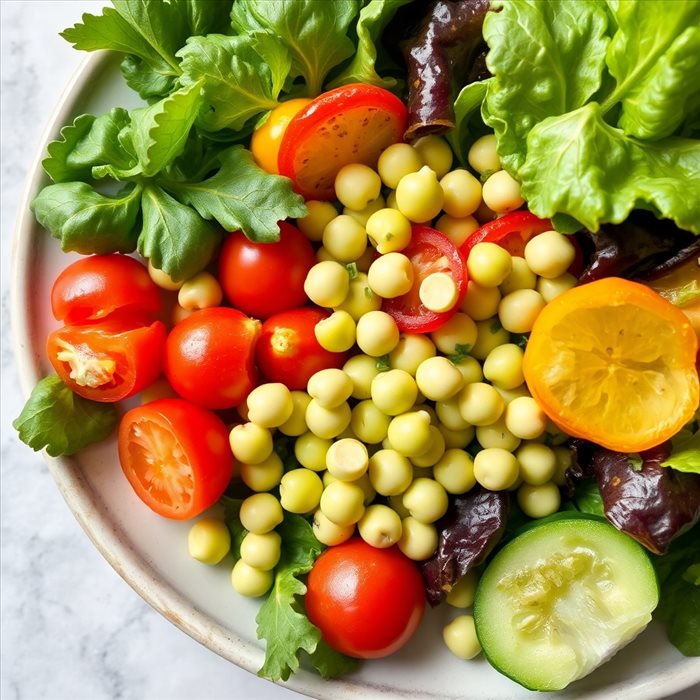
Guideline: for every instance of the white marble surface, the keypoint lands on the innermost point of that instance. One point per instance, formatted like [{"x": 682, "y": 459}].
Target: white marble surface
[{"x": 71, "y": 628}]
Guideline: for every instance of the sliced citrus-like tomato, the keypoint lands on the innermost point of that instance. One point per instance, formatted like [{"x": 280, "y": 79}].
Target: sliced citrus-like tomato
[
  {"x": 350, "y": 124},
  {"x": 429, "y": 251},
  {"x": 613, "y": 362},
  {"x": 176, "y": 456}
]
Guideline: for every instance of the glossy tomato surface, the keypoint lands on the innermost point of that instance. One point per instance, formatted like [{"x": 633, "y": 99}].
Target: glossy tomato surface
[
  {"x": 209, "y": 357},
  {"x": 367, "y": 602},
  {"x": 96, "y": 286},
  {"x": 176, "y": 456},
  {"x": 110, "y": 360},
  {"x": 429, "y": 251},
  {"x": 350, "y": 124},
  {"x": 262, "y": 279},
  {"x": 288, "y": 352}
]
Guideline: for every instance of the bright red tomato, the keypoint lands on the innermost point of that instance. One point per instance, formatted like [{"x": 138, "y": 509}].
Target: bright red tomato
[
  {"x": 350, "y": 124},
  {"x": 429, "y": 251},
  {"x": 209, "y": 357},
  {"x": 176, "y": 456},
  {"x": 367, "y": 602},
  {"x": 110, "y": 360},
  {"x": 288, "y": 351},
  {"x": 262, "y": 279},
  {"x": 513, "y": 231},
  {"x": 96, "y": 286}
]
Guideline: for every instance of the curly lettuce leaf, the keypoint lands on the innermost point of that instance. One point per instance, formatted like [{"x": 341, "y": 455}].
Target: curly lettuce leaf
[{"x": 62, "y": 422}]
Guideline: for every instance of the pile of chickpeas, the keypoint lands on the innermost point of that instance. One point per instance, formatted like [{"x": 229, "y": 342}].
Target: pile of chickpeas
[{"x": 381, "y": 443}]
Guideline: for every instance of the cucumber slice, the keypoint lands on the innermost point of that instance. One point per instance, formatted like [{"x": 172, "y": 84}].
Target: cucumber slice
[{"x": 560, "y": 599}]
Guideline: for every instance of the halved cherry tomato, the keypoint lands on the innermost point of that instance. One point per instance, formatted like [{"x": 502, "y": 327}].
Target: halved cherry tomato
[
  {"x": 266, "y": 140},
  {"x": 176, "y": 456},
  {"x": 262, "y": 279},
  {"x": 350, "y": 124},
  {"x": 429, "y": 251},
  {"x": 110, "y": 360},
  {"x": 367, "y": 602},
  {"x": 287, "y": 350},
  {"x": 209, "y": 357},
  {"x": 93, "y": 287},
  {"x": 512, "y": 231}
]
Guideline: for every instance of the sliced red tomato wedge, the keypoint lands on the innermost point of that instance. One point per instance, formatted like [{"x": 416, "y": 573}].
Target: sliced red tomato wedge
[
  {"x": 176, "y": 456},
  {"x": 108, "y": 361},
  {"x": 429, "y": 251},
  {"x": 350, "y": 124},
  {"x": 513, "y": 231}
]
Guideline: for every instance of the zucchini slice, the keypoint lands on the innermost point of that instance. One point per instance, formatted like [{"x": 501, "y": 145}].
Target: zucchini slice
[{"x": 560, "y": 599}]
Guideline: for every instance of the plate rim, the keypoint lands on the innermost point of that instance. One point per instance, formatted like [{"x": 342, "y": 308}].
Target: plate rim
[{"x": 133, "y": 568}]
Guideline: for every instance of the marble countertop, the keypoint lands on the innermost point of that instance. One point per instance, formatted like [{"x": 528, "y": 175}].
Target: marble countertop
[{"x": 72, "y": 629}]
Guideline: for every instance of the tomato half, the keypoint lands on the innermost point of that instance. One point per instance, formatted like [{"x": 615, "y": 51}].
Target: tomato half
[
  {"x": 176, "y": 456},
  {"x": 209, "y": 357},
  {"x": 513, "y": 231},
  {"x": 288, "y": 352},
  {"x": 350, "y": 124},
  {"x": 367, "y": 602},
  {"x": 262, "y": 279},
  {"x": 110, "y": 360},
  {"x": 93, "y": 287},
  {"x": 429, "y": 251}
]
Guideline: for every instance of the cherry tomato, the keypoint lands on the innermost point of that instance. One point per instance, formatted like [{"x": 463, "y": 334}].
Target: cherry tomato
[
  {"x": 96, "y": 286},
  {"x": 287, "y": 350},
  {"x": 367, "y": 602},
  {"x": 350, "y": 124},
  {"x": 512, "y": 232},
  {"x": 429, "y": 251},
  {"x": 110, "y": 360},
  {"x": 176, "y": 456},
  {"x": 209, "y": 357},
  {"x": 262, "y": 279},
  {"x": 265, "y": 143}
]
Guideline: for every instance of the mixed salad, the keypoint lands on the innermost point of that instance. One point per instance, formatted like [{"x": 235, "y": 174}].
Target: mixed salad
[{"x": 414, "y": 296}]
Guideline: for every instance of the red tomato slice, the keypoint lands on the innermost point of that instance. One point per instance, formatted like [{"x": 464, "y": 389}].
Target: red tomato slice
[
  {"x": 93, "y": 287},
  {"x": 176, "y": 456},
  {"x": 513, "y": 231},
  {"x": 429, "y": 251},
  {"x": 110, "y": 360},
  {"x": 350, "y": 124}
]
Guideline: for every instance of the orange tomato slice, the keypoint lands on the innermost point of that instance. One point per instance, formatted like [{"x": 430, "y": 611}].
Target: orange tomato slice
[{"x": 613, "y": 362}]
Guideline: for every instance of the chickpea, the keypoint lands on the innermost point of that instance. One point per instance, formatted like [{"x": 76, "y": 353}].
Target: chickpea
[
  {"x": 455, "y": 471},
  {"x": 380, "y": 526},
  {"x": 490, "y": 333},
  {"x": 328, "y": 533},
  {"x": 456, "y": 336},
  {"x": 318, "y": 217},
  {"x": 330, "y": 387},
  {"x": 520, "y": 277},
  {"x": 551, "y": 288},
  {"x": 327, "y": 283},
  {"x": 539, "y": 501},
  {"x": 377, "y": 333},
  {"x": 438, "y": 379},
  {"x": 369, "y": 423},
  {"x": 518, "y": 310},
  {"x": 463, "y": 592},
  {"x": 250, "y": 581},
  {"x": 311, "y": 450},
  {"x": 460, "y": 637},
  {"x": 489, "y": 264},
  {"x": 295, "y": 425},
  {"x": 361, "y": 369},
  {"x": 449, "y": 415},
  {"x": 503, "y": 366},
  {"x": 389, "y": 230},
  {"x": 457, "y": 229},
  {"x": 496, "y": 469},
  {"x": 209, "y": 541},
  {"x": 337, "y": 332},
  {"x": 327, "y": 422},
  {"x": 538, "y": 463},
  {"x": 482, "y": 155},
  {"x": 342, "y": 502},
  {"x": 261, "y": 551},
  {"x": 362, "y": 215},
  {"x": 347, "y": 459},
  {"x": 361, "y": 299},
  {"x": 270, "y": 405},
  {"x": 419, "y": 196},
  {"x": 480, "y": 404},
  {"x": 394, "y": 391},
  {"x": 480, "y": 303},
  {"x": 398, "y": 160},
  {"x": 418, "y": 540},
  {"x": 412, "y": 349},
  {"x": 345, "y": 238},
  {"x": 250, "y": 443},
  {"x": 497, "y": 435},
  {"x": 435, "y": 153},
  {"x": 525, "y": 419},
  {"x": 470, "y": 369},
  {"x": 356, "y": 185},
  {"x": 260, "y": 513},
  {"x": 433, "y": 454},
  {"x": 409, "y": 433},
  {"x": 390, "y": 473},
  {"x": 162, "y": 278},
  {"x": 391, "y": 275},
  {"x": 462, "y": 193},
  {"x": 263, "y": 476},
  {"x": 200, "y": 292},
  {"x": 549, "y": 254},
  {"x": 456, "y": 439},
  {"x": 438, "y": 292},
  {"x": 501, "y": 192}
]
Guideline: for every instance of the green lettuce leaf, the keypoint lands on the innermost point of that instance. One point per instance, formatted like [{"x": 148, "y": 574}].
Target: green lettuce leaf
[
  {"x": 685, "y": 456},
  {"x": 87, "y": 222},
  {"x": 62, "y": 422},
  {"x": 242, "y": 196},
  {"x": 314, "y": 32},
  {"x": 174, "y": 237},
  {"x": 468, "y": 123}
]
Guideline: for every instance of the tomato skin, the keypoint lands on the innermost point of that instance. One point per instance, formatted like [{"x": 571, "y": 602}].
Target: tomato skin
[
  {"x": 97, "y": 285},
  {"x": 135, "y": 350},
  {"x": 201, "y": 465},
  {"x": 512, "y": 231},
  {"x": 349, "y": 124},
  {"x": 262, "y": 279},
  {"x": 288, "y": 352},
  {"x": 367, "y": 602},
  {"x": 426, "y": 247},
  {"x": 266, "y": 140},
  {"x": 209, "y": 357}
]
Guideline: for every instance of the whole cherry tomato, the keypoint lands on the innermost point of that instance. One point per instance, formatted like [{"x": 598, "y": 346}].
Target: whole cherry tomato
[
  {"x": 367, "y": 602},
  {"x": 262, "y": 279},
  {"x": 287, "y": 350},
  {"x": 110, "y": 360},
  {"x": 176, "y": 456},
  {"x": 96, "y": 286},
  {"x": 209, "y": 357}
]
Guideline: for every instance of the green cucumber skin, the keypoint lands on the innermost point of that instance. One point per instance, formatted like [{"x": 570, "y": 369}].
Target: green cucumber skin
[{"x": 598, "y": 529}]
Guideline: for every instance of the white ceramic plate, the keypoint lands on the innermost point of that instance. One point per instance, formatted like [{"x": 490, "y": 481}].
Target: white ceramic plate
[{"x": 150, "y": 552}]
